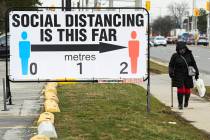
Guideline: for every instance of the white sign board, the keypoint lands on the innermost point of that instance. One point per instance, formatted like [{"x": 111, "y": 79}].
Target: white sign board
[{"x": 48, "y": 45}]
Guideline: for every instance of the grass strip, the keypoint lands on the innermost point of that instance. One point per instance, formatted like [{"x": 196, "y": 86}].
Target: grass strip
[
  {"x": 117, "y": 112},
  {"x": 207, "y": 95},
  {"x": 157, "y": 68}
]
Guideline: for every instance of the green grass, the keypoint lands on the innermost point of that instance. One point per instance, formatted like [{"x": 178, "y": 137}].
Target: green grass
[
  {"x": 158, "y": 69},
  {"x": 208, "y": 91},
  {"x": 207, "y": 95},
  {"x": 117, "y": 112}
]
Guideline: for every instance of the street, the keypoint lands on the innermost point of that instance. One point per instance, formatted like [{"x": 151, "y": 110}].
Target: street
[{"x": 201, "y": 55}]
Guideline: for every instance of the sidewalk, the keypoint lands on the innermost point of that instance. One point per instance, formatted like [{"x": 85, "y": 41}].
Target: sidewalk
[
  {"x": 17, "y": 123},
  {"x": 198, "y": 112}
]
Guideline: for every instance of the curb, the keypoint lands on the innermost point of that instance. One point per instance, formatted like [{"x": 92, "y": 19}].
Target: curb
[
  {"x": 46, "y": 128},
  {"x": 159, "y": 62}
]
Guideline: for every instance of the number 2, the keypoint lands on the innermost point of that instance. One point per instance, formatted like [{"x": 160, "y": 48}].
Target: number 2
[{"x": 125, "y": 66}]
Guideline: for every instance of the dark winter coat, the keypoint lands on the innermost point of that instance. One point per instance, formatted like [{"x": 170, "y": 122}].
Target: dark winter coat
[{"x": 178, "y": 69}]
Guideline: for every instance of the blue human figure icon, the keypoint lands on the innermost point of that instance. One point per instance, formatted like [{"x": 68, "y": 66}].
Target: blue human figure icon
[{"x": 24, "y": 52}]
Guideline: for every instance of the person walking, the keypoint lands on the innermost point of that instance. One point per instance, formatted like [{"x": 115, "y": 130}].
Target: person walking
[{"x": 182, "y": 68}]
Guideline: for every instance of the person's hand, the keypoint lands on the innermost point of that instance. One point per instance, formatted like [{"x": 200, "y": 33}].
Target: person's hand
[{"x": 196, "y": 77}]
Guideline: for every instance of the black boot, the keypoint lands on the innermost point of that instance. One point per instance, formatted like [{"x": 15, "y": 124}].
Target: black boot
[
  {"x": 187, "y": 97},
  {"x": 180, "y": 100}
]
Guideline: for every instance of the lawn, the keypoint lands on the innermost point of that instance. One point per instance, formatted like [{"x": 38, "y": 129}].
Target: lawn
[
  {"x": 157, "y": 68},
  {"x": 207, "y": 95},
  {"x": 117, "y": 112},
  {"x": 208, "y": 91}
]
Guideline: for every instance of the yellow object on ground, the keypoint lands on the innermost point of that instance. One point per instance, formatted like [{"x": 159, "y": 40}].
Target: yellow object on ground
[
  {"x": 48, "y": 129},
  {"x": 46, "y": 116},
  {"x": 52, "y": 84},
  {"x": 39, "y": 137},
  {"x": 67, "y": 79},
  {"x": 51, "y": 90},
  {"x": 51, "y": 97},
  {"x": 51, "y": 106},
  {"x": 47, "y": 93}
]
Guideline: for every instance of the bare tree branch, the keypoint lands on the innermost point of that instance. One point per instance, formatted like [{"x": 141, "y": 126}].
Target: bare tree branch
[{"x": 178, "y": 11}]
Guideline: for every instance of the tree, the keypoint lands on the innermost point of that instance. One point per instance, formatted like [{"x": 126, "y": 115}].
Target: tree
[
  {"x": 178, "y": 11},
  {"x": 202, "y": 21},
  {"x": 163, "y": 25},
  {"x": 5, "y": 4}
]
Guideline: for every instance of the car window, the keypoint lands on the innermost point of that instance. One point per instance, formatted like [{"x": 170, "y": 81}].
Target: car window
[
  {"x": 3, "y": 41},
  {"x": 203, "y": 38},
  {"x": 160, "y": 38}
]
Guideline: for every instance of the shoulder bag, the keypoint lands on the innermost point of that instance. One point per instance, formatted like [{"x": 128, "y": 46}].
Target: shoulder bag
[{"x": 191, "y": 69}]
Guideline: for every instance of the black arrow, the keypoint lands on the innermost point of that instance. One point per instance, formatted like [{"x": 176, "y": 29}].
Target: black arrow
[{"x": 101, "y": 47}]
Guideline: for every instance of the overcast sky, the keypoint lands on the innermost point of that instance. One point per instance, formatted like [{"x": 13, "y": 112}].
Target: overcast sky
[{"x": 158, "y": 7}]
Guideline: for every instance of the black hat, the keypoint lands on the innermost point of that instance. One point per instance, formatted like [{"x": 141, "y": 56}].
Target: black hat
[{"x": 181, "y": 45}]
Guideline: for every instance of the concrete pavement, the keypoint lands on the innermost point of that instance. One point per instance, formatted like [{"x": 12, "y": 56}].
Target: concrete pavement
[
  {"x": 198, "y": 112},
  {"x": 17, "y": 123}
]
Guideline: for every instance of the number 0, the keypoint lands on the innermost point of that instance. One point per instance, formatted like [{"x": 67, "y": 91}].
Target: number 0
[{"x": 33, "y": 68}]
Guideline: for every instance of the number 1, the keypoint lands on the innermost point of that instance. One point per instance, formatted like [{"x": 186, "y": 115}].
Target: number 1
[{"x": 80, "y": 68}]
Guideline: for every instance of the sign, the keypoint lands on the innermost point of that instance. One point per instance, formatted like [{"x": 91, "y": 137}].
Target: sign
[
  {"x": 208, "y": 5},
  {"x": 196, "y": 12},
  {"x": 48, "y": 45},
  {"x": 148, "y": 5}
]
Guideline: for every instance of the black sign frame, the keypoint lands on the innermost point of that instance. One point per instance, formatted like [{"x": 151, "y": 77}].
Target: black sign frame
[{"x": 8, "y": 80}]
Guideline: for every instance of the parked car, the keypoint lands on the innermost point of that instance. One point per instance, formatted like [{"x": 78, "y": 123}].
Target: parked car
[
  {"x": 180, "y": 39},
  {"x": 190, "y": 39},
  {"x": 171, "y": 40},
  {"x": 160, "y": 41},
  {"x": 151, "y": 41},
  {"x": 184, "y": 37},
  {"x": 3, "y": 50},
  {"x": 203, "y": 41},
  {"x": 151, "y": 44}
]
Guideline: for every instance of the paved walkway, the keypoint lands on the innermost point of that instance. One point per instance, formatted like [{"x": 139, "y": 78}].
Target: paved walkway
[
  {"x": 198, "y": 112},
  {"x": 17, "y": 123}
]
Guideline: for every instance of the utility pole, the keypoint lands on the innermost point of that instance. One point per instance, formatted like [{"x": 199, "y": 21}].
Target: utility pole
[
  {"x": 138, "y": 3},
  {"x": 68, "y": 5},
  {"x": 82, "y": 5},
  {"x": 62, "y": 5},
  {"x": 95, "y": 3},
  {"x": 111, "y": 3},
  {"x": 194, "y": 18},
  {"x": 87, "y": 2},
  {"x": 208, "y": 20},
  {"x": 78, "y": 5}
]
